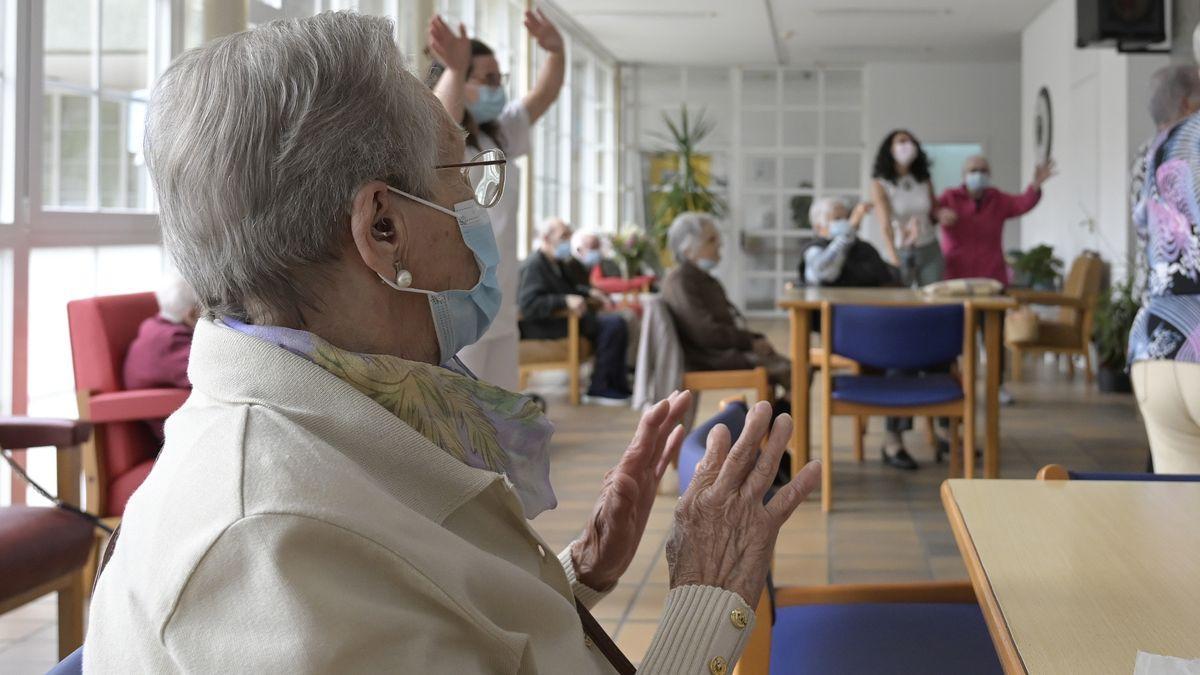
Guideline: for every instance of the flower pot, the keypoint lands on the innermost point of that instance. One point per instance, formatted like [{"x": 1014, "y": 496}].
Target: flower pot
[{"x": 1114, "y": 380}]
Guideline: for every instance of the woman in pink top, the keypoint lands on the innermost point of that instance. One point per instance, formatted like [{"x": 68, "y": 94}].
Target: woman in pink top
[{"x": 972, "y": 217}]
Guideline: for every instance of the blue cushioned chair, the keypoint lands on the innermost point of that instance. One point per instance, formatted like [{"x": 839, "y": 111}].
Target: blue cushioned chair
[
  {"x": 72, "y": 665},
  {"x": 732, "y": 415},
  {"x": 895, "y": 338},
  {"x": 927, "y": 628},
  {"x": 1059, "y": 472}
]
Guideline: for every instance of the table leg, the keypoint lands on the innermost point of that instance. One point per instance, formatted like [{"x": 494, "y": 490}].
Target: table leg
[
  {"x": 991, "y": 448},
  {"x": 800, "y": 403}
]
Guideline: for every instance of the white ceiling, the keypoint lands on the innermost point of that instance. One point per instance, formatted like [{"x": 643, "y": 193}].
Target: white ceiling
[{"x": 730, "y": 32}]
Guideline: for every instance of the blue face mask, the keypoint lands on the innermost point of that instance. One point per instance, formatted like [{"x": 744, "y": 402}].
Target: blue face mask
[
  {"x": 839, "y": 227},
  {"x": 976, "y": 181},
  {"x": 461, "y": 317},
  {"x": 707, "y": 264},
  {"x": 592, "y": 258},
  {"x": 563, "y": 250},
  {"x": 490, "y": 104}
]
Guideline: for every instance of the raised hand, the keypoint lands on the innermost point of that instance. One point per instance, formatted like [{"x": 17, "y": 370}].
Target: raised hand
[
  {"x": 724, "y": 535},
  {"x": 544, "y": 32},
  {"x": 453, "y": 50},
  {"x": 1044, "y": 172},
  {"x": 946, "y": 217},
  {"x": 604, "y": 551},
  {"x": 912, "y": 229}
]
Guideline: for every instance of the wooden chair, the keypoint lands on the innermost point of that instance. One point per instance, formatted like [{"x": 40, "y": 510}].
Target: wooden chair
[
  {"x": 46, "y": 549},
  {"x": 1060, "y": 472},
  {"x": 567, "y": 354},
  {"x": 921, "y": 627},
  {"x": 1070, "y": 332},
  {"x": 904, "y": 338}
]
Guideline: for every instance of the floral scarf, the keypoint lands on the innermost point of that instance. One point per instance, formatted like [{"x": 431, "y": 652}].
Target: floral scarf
[{"x": 478, "y": 423}]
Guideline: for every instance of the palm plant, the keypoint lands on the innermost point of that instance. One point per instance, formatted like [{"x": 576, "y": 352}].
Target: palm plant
[{"x": 687, "y": 188}]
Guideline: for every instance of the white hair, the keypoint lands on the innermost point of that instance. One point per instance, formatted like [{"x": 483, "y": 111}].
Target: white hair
[
  {"x": 258, "y": 141},
  {"x": 1172, "y": 88},
  {"x": 819, "y": 212},
  {"x": 176, "y": 299},
  {"x": 685, "y": 231}
]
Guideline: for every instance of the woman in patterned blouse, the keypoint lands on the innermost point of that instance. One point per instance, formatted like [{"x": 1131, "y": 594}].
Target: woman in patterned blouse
[{"x": 1164, "y": 344}]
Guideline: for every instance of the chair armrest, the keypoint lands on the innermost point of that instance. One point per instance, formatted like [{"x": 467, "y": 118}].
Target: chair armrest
[
  {"x": 32, "y": 432},
  {"x": 1028, "y": 297},
  {"x": 921, "y": 591},
  {"x": 136, "y": 405}
]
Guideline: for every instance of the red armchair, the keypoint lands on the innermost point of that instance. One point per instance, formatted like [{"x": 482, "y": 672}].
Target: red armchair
[
  {"x": 122, "y": 450},
  {"x": 45, "y": 550}
]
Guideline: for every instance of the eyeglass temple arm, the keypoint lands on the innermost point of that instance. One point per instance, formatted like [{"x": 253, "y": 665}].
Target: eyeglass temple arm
[{"x": 466, "y": 164}]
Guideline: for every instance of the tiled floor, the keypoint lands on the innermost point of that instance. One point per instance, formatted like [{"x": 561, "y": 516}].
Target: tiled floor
[{"x": 887, "y": 525}]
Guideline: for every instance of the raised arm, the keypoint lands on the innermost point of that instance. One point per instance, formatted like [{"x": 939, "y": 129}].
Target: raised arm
[
  {"x": 550, "y": 77},
  {"x": 883, "y": 213},
  {"x": 454, "y": 52},
  {"x": 1021, "y": 204}
]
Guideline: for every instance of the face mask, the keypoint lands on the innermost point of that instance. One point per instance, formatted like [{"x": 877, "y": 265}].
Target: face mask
[
  {"x": 461, "y": 317},
  {"x": 839, "y": 227},
  {"x": 706, "y": 264},
  {"x": 563, "y": 250},
  {"x": 976, "y": 181},
  {"x": 904, "y": 153},
  {"x": 591, "y": 258},
  {"x": 490, "y": 104}
]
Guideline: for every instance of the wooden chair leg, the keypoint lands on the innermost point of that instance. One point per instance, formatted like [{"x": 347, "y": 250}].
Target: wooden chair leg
[
  {"x": 860, "y": 429},
  {"x": 522, "y": 380},
  {"x": 1071, "y": 366},
  {"x": 956, "y": 459},
  {"x": 70, "y": 616},
  {"x": 1088, "y": 374},
  {"x": 930, "y": 434},
  {"x": 826, "y": 460},
  {"x": 1014, "y": 363}
]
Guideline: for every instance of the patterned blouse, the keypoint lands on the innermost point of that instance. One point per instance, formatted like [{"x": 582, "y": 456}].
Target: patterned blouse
[{"x": 1167, "y": 219}]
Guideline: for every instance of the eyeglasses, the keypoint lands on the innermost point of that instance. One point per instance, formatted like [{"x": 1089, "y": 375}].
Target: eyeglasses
[{"x": 484, "y": 174}]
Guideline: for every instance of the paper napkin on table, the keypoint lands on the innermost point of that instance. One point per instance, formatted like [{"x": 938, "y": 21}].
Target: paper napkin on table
[{"x": 1156, "y": 664}]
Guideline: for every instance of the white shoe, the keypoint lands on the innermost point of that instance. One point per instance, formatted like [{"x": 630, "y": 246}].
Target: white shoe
[
  {"x": 1006, "y": 399},
  {"x": 608, "y": 401}
]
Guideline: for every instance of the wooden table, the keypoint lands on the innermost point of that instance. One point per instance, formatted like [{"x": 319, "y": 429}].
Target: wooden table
[
  {"x": 800, "y": 302},
  {"x": 1078, "y": 576}
]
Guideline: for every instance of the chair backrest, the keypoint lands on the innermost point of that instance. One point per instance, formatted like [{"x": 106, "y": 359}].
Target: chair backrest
[
  {"x": 733, "y": 416},
  {"x": 101, "y": 330},
  {"x": 1058, "y": 472},
  {"x": 1082, "y": 282},
  {"x": 897, "y": 337},
  {"x": 659, "y": 356}
]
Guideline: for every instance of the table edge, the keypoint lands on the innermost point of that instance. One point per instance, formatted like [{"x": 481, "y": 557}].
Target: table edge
[{"x": 1006, "y": 648}]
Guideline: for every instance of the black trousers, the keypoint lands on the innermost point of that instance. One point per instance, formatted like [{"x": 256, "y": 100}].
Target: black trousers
[{"x": 610, "y": 335}]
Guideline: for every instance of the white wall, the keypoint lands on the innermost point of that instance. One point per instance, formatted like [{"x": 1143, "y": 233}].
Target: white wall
[{"x": 1098, "y": 99}]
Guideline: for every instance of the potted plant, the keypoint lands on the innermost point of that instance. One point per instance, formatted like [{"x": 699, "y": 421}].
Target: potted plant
[
  {"x": 1037, "y": 268},
  {"x": 1115, "y": 312},
  {"x": 630, "y": 247},
  {"x": 686, "y": 188}
]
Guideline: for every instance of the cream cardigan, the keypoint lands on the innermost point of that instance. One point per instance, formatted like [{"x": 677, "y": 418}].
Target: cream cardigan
[{"x": 291, "y": 524}]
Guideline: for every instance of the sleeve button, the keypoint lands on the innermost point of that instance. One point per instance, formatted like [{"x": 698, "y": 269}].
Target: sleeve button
[
  {"x": 738, "y": 618},
  {"x": 718, "y": 666}
]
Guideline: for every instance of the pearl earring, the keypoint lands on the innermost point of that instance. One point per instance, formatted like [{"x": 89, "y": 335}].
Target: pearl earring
[{"x": 403, "y": 277}]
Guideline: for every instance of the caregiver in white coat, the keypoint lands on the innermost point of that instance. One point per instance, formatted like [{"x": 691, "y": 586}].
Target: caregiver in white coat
[{"x": 472, "y": 89}]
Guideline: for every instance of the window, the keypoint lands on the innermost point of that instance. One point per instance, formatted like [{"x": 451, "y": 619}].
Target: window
[{"x": 99, "y": 60}]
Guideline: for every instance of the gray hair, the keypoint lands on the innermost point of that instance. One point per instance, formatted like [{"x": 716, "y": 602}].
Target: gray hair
[
  {"x": 1171, "y": 88},
  {"x": 685, "y": 231},
  {"x": 821, "y": 208},
  {"x": 176, "y": 299},
  {"x": 258, "y": 141}
]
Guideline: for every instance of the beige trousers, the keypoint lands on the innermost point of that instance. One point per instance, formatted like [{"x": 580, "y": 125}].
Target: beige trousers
[{"x": 1168, "y": 394}]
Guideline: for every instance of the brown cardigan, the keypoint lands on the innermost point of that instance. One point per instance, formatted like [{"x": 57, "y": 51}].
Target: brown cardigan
[{"x": 710, "y": 328}]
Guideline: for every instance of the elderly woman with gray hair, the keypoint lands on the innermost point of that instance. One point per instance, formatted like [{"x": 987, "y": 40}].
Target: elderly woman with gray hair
[
  {"x": 712, "y": 331},
  {"x": 337, "y": 494}
]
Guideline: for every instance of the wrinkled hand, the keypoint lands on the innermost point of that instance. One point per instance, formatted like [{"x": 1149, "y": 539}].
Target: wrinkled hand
[
  {"x": 912, "y": 229},
  {"x": 762, "y": 347},
  {"x": 604, "y": 551},
  {"x": 543, "y": 32},
  {"x": 724, "y": 535},
  {"x": 946, "y": 217},
  {"x": 577, "y": 305},
  {"x": 600, "y": 297},
  {"x": 454, "y": 51},
  {"x": 1044, "y": 172}
]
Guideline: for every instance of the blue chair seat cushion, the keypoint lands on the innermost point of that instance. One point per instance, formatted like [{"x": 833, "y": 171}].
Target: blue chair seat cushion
[
  {"x": 924, "y": 638},
  {"x": 897, "y": 391}
]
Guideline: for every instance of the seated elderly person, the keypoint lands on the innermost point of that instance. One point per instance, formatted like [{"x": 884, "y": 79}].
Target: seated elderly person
[
  {"x": 712, "y": 331},
  {"x": 338, "y": 495},
  {"x": 158, "y": 356},
  {"x": 552, "y": 283},
  {"x": 836, "y": 256}
]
